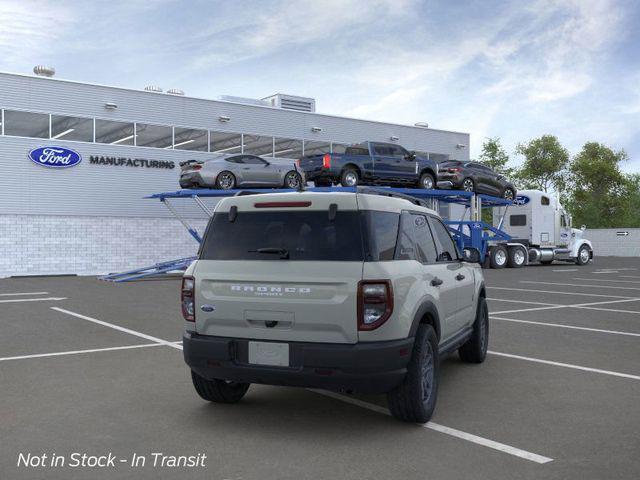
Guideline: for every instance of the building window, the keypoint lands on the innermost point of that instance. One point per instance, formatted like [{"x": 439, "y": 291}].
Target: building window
[
  {"x": 26, "y": 124},
  {"x": 316, "y": 148},
  {"x": 287, "y": 148},
  {"x": 226, "y": 142},
  {"x": 115, "y": 133},
  {"x": 190, "y": 139},
  {"x": 257, "y": 145},
  {"x": 517, "y": 220},
  {"x": 71, "y": 128},
  {"x": 157, "y": 136}
]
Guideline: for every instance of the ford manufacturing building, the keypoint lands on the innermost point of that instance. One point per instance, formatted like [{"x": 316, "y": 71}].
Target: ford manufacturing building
[{"x": 91, "y": 217}]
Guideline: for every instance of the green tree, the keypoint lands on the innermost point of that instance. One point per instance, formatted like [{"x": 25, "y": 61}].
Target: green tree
[
  {"x": 494, "y": 156},
  {"x": 599, "y": 194},
  {"x": 545, "y": 164}
]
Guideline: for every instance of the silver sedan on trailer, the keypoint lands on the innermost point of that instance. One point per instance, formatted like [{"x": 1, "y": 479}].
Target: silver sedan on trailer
[{"x": 240, "y": 170}]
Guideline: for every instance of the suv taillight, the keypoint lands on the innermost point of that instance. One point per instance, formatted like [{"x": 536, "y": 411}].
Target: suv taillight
[
  {"x": 187, "y": 298},
  {"x": 326, "y": 160},
  {"x": 375, "y": 303}
]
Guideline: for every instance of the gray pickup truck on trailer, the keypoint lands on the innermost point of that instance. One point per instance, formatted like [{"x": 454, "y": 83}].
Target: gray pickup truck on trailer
[{"x": 352, "y": 292}]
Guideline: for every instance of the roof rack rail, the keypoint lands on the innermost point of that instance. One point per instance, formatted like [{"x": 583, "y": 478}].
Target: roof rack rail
[{"x": 388, "y": 193}]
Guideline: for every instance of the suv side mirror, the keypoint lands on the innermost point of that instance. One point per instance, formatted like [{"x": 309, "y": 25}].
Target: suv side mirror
[
  {"x": 410, "y": 156},
  {"x": 471, "y": 255}
]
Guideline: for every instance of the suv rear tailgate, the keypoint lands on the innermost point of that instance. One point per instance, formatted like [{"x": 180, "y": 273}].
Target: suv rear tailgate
[{"x": 309, "y": 301}]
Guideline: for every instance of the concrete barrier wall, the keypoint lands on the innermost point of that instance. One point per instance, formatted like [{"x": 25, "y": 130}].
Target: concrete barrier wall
[{"x": 614, "y": 242}]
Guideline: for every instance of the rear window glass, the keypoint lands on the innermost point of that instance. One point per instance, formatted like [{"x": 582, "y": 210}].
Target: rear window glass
[
  {"x": 357, "y": 151},
  {"x": 308, "y": 235}
]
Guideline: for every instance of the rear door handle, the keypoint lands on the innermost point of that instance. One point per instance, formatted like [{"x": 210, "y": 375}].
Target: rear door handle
[
  {"x": 436, "y": 282},
  {"x": 459, "y": 277}
]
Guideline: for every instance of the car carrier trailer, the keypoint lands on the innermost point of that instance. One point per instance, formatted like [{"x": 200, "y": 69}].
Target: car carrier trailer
[{"x": 495, "y": 246}]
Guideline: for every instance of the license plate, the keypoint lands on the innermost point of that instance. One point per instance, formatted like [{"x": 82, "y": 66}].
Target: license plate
[{"x": 268, "y": 353}]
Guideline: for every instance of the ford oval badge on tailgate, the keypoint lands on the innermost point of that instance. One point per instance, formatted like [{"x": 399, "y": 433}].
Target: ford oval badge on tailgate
[
  {"x": 207, "y": 308},
  {"x": 55, "y": 157}
]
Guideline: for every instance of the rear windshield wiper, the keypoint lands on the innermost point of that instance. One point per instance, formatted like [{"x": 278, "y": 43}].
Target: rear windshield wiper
[{"x": 283, "y": 252}]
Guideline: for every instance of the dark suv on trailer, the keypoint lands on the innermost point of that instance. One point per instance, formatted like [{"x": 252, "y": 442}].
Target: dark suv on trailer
[{"x": 474, "y": 177}]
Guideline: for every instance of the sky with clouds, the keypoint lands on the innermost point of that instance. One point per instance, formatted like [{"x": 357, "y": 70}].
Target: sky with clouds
[{"x": 511, "y": 69}]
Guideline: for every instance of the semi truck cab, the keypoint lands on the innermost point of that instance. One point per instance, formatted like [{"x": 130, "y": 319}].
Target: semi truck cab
[{"x": 538, "y": 223}]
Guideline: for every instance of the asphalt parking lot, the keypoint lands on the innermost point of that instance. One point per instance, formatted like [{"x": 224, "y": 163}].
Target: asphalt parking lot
[{"x": 95, "y": 367}]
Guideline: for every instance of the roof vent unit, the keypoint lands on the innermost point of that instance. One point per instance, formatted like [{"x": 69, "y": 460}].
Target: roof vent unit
[
  {"x": 153, "y": 88},
  {"x": 291, "y": 102},
  {"x": 244, "y": 100},
  {"x": 43, "y": 71},
  {"x": 175, "y": 91}
]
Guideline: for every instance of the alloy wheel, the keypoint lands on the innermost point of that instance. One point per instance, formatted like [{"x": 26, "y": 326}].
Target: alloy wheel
[
  {"x": 226, "y": 181},
  {"x": 427, "y": 373},
  {"x": 467, "y": 185},
  {"x": 350, "y": 179},
  {"x": 292, "y": 180}
]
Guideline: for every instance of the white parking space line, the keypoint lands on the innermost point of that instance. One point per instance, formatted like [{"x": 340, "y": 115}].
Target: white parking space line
[
  {"x": 533, "y": 309},
  {"x": 566, "y": 365},
  {"x": 557, "y": 292},
  {"x": 559, "y": 325},
  {"x": 567, "y": 270},
  {"x": 521, "y": 301},
  {"x": 581, "y": 285},
  {"x": 485, "y": 442},
  {"x": 634, "y": 312},
  {"x": 27, "y": 293},
  {"x": 47, "y": 299},
  {"x": 605, "y": 280},
  {"x": 119, "y": 328},
  {"x": 629, "y": 276},
  {"x": 76, "y": 352},
  {"x": 587, "y": 306}
]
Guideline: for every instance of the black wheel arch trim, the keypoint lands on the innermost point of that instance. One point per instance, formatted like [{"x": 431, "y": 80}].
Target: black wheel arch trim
[{"x": 427, "y": 308}]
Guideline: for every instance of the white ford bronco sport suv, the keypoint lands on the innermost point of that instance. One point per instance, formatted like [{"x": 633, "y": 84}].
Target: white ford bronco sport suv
[{"x": 348, "y": 291}]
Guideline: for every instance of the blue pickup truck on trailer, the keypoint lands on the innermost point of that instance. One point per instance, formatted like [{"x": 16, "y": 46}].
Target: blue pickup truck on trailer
[{"x": 371, "y": 163}]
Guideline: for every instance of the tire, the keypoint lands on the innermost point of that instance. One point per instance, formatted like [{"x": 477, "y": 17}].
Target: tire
[
  {"x": 584, "y": 255},
  {"x": 219, "y": 391},
  {"x": 349, "y": 177},
  {"x": 414, "y": 400},
  {"x": 427, "y": 181},
  {"x": 546, "y": 262},
  {"x": 225, "y": 180},
  {"x": 517, "y": 257},
  {"x": 468, "y": 185},
  {"x": 508, "y": 194},
  {"x": 474, "y": 350},
  {"x": 292, "y": 180},
  {"x": 499, "y": 256}
]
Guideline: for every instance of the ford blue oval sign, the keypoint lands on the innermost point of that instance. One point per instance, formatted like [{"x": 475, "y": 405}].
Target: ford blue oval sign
[
  {"x": 55, "y": 157},
  {"x": 521, "y": 200}
]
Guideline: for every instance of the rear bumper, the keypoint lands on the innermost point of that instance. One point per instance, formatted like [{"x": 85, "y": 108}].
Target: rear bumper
[
  {"x": 321, "y": 173},
  {"x": 189, "y": 180},
  {"x": 373, "y": 367}
]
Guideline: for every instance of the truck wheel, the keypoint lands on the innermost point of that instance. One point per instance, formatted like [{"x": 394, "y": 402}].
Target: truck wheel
[
  {"x": 499, "y": 256},
  {"x": 414, "y": 400},
  {"x": 517, "y": 257},
  {"x": 219, "y": 391},
  {"x": 349, "y": 177},
  {"x": 225, "y": 180},
  {"x": 584, "y": 255},
  {"x": 474, "y": 350},
  {"x": 426, "y": 181}
]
